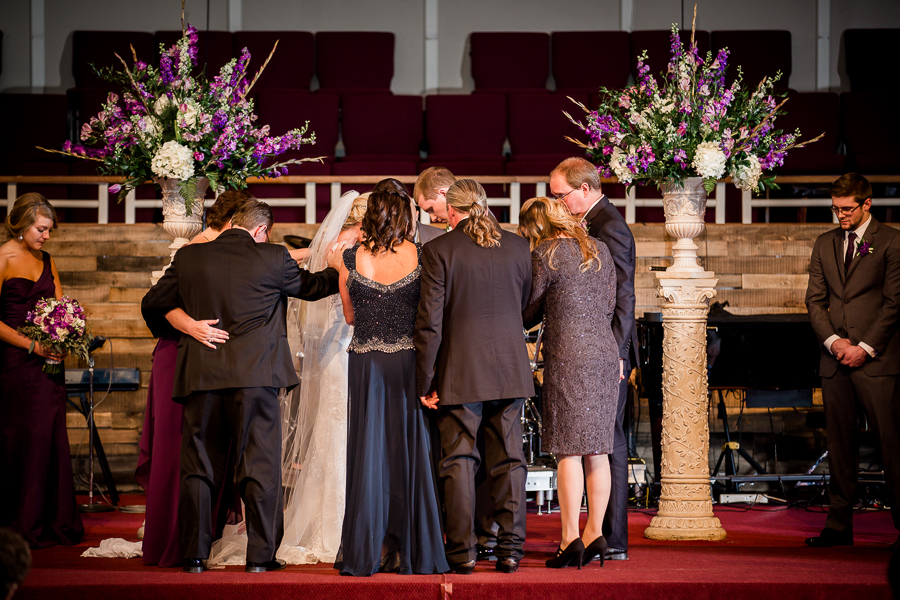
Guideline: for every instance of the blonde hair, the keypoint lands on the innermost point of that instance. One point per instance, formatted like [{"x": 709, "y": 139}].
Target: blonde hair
[
  {"x": 466, "y": 196},
  {"x": 431, "y": 180},
  {"x": 25, "y": 213},
  {"x": 357, "y": 212},
  {"x": 544, "y": 219},
  {"x": 578, "y": 171}
]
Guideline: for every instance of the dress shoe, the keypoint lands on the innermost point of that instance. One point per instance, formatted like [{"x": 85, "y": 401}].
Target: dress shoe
[
  {"x": 485, "y": 553},
  {"x": 829, "y": 538},
  {"x": 507, "y": 565},
  {"x": 571, "y": 556},
  {"x": 272, "y": 565},
  {"x": 596, "y": 549},
  {"x": 194, "y": 565},
  {"x": 390, "y": 562},
  {"x": 465, "y": 568},
  {"x": 616, "y": 554}
]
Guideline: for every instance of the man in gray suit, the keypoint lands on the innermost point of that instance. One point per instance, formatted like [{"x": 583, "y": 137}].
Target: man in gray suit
[
  {"x": 575, "y": 181},
  {"x": 853, "y": 300}
]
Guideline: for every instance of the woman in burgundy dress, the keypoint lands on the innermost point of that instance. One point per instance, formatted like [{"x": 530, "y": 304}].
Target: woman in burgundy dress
[
  {"x": 38, "y": 499},
  {"x": 158, "y": 469}
]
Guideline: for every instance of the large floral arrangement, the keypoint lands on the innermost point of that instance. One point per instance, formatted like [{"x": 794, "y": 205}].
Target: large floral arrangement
[
  {"x": 688, "y": 125},
  {"x": 170, "y": 124},
  {"x": 58, "y": 324}
]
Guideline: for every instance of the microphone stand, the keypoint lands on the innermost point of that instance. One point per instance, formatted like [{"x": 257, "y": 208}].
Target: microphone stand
[{"x": 90, "y": 507}]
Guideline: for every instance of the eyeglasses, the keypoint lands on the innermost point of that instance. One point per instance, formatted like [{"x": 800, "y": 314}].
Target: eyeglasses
[
  {"x": 561, "y": 197},
  {"x": 844, "y": 211}
]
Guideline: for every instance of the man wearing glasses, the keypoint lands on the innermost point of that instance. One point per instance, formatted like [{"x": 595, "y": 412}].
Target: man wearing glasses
[
  {"x": 575, "y": 182},
  {"x": 853, "y": 300}
]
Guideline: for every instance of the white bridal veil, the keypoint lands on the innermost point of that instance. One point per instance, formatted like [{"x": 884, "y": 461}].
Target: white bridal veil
[{"x": 314, "y": 424}]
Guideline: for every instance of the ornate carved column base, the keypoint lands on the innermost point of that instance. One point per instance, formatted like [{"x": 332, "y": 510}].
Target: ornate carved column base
[{"x": 685, "y": 506}]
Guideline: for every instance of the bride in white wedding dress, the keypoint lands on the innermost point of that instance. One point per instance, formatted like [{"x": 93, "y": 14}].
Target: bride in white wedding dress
[{"x": 314, "y": 415}]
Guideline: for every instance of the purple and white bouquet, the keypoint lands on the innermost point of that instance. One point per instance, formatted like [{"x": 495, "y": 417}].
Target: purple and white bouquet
[
  {"x": 172, "y": 124},
  {"x": 688, "y": 125},
  {"x": 58, "y": 324}
]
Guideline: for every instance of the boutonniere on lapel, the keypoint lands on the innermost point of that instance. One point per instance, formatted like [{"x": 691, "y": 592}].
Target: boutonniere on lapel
[
  {"x": 864, "y": 247},
  {"x": 583, "y": 224}
]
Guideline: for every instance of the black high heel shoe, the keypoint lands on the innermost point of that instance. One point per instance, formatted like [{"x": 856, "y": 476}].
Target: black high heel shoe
[
  {"x": 596, "y": 548},
  {"x": 572, "y": 555},
  {"x": 390, "y": 562}
]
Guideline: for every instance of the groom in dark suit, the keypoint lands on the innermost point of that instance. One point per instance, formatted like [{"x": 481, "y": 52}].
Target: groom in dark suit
[
  {"x": 853, "y": 300},
  {"x": 575, "y": 181},
  {"x": 230, "y": 393}
]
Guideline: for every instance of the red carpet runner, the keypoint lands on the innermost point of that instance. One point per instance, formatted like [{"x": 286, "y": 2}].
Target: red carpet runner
[{"x": 763, "y": 558}]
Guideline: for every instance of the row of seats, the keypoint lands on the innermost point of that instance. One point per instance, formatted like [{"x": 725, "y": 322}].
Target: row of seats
[
  {"x": 501, "y": 62},
  {"x": 468, "y": 133}
]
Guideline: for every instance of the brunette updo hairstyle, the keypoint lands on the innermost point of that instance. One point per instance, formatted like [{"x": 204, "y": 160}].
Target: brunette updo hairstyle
[
  {"x": 392, "y": 185},
  {"x": 387, "y": 222},
  {"x": 25, "y": 213},
  {"x": 223, "y": 208},
  {"x": 467, "y": 197}
]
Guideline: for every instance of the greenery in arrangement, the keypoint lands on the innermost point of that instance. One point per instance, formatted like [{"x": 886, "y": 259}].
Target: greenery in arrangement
[
  {"x": 170, "y": 124},
  {"x": 689, "y": 125}
]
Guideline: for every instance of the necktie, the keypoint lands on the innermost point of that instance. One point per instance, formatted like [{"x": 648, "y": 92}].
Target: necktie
[{"x": 851, "y": 250}]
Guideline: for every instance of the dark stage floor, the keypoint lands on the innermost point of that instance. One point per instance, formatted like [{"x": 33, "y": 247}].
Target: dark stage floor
[{"x": 763, "y": 557}]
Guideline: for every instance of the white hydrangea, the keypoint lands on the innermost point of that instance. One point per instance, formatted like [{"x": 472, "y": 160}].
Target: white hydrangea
[
  {"x": 709, "y": 160},
  {"x": 173, "y": 161},
  {"x": 619, "y": 168},
  {"x": 747, "y": 177}
]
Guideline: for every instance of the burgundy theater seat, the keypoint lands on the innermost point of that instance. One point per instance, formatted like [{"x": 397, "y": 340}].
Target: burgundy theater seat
[
  {"x": 505, "y": 62},
  {"x": 100, "y": 48},
  {"x": 292, "y": 64},
  {"x": 870, "y": 54},
  {"x": 871, "y": 128},
  {"x": 658, "y": 44},
  {"x": 576, "y": 68},
  {"x": 813, "y": 113},
  {"x": 218, "y": 51},
  {"x": 354, "y": 62},
  {"x": 537, "y": 129},
  {"x": 760, "y": 53},
  {"x": 283, "y": 110},
  {"x": 32, "y": 120},
  {"x": 382, "y": 128},
  {"x": 467, "y": 132},
  {"x": 387, "y": 168}
]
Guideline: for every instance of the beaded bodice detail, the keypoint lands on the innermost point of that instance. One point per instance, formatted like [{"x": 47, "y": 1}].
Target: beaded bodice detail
[{"x": 384, "y": 315}]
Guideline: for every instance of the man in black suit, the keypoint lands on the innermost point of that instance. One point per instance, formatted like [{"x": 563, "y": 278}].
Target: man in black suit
[
  {"x": 471, "y": 359},
  {"x": 853, "y": 300},
  {"x": 230, "y": 393},
  {"x": 575, "y": 181}
]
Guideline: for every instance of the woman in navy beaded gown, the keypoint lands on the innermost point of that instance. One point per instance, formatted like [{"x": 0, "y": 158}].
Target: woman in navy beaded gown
[
  {"x": 392, "y": 520},
  {"x": 38, "y": 499}
]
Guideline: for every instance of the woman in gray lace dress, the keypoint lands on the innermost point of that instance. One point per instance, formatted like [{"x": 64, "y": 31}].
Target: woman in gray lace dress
[{"x": 574, "y": 290}]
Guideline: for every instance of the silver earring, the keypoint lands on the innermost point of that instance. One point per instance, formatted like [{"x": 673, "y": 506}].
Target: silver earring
[{"x": 20, "y": 237}]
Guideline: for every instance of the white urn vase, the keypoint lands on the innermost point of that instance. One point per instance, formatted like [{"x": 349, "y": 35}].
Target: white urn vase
[
  {"x": 176, "y": 220},
  {"x": 685, "y": 208}
]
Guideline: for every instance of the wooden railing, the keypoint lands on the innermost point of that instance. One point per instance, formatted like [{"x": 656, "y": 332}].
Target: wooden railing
[{"x": 513, "y": 201}]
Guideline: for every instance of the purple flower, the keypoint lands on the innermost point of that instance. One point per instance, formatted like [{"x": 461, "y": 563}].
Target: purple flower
[
  {"x": 864, "y": 247},
  {"x": 115, "y": 188}
]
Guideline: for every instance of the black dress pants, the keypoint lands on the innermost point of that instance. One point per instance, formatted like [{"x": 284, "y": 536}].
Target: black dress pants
[
  {"x": 615, "y": 522},
  {"x": 879, "y": 397},
  {"x": 504, "y": 459},
  {"x": 248, "y": 419}
]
